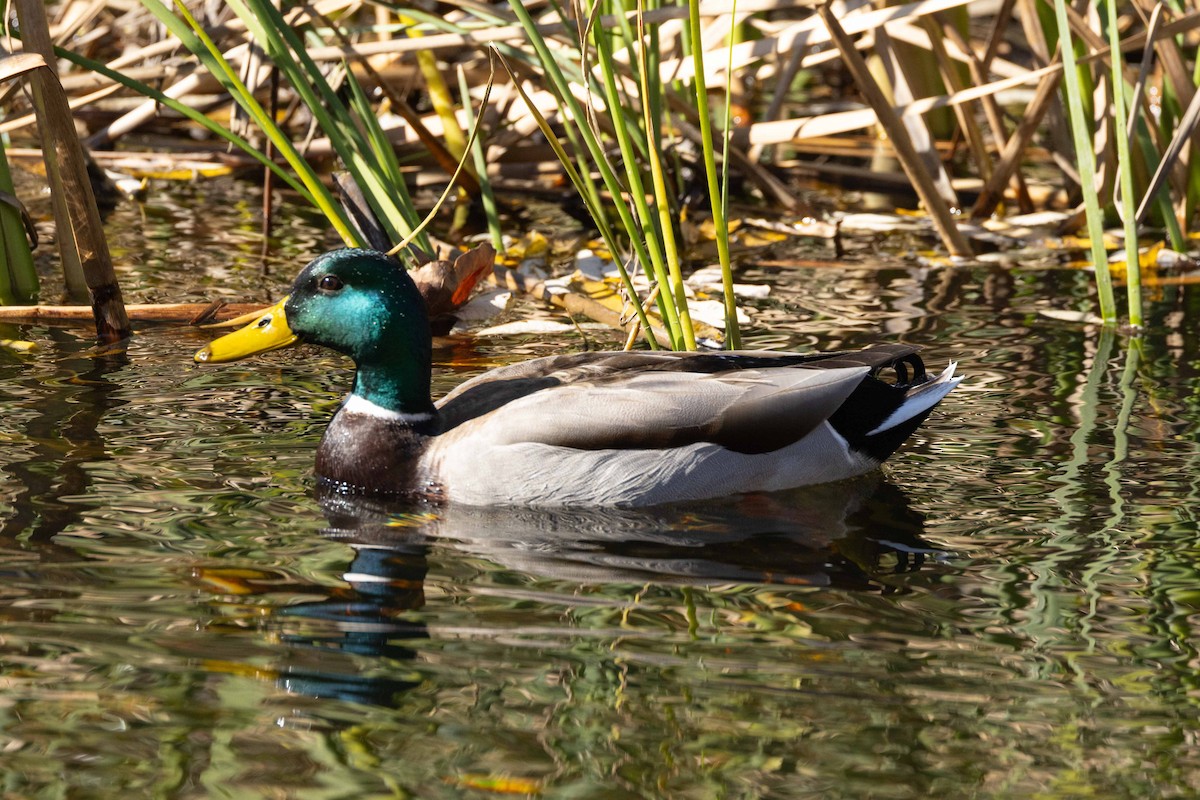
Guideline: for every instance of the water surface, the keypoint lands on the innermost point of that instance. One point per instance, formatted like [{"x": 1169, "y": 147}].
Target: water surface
[{"x": 1005, "y": 610}]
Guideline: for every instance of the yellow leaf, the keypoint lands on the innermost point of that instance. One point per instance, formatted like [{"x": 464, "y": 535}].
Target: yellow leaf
[
  {"x": 18, "y": 345},
  {"x": 499, "y": 784}
]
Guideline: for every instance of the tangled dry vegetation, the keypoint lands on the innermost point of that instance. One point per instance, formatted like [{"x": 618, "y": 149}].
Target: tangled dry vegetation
[{"x": 958, "y": 108}]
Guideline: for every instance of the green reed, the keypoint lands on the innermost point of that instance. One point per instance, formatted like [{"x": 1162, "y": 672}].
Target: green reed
[
  {"x": 487, "y": 197},
  {"x": 1085, "y": 160},
  {"x": 717, "y": 193},
  {"x": 18, "y": 278},
  {"x": 617, "y": 60},
  {"x": 1133, "y": 271},
  {"x": 352, "y": 126}
]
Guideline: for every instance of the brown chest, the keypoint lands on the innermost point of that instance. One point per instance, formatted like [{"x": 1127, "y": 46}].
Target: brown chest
[{"x": 369, "y": 455}]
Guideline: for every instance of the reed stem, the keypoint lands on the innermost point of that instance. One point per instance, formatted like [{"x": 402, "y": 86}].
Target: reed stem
[
  {"x": 77, "y": 220},
  {"x": 1086, "y": 161},
  {"x": 1133, "y": 267}
]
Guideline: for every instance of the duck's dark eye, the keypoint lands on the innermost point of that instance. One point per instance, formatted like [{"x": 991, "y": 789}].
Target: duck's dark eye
[{"x": 330, "y": 283}]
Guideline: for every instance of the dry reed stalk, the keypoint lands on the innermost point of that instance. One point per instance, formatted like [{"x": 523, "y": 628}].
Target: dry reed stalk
[
  {"x": 1188, "y": 124},
  {"x": 783, "y": 81},
  {"x": 939, "y": 30},
  {"x": 91, "y": 81},
  {"x": 809, "y": 32},
  {"x": 149, "y": 109},
  {"x": 1010, "y": 157},
  {"x": 772, "y": 188},
  {"x": 1179, "y": 78},
  {"x": 919, "y": 37},
  {"x": 918, "y": 137},
  {"x": 943, "y": 222},
  {"x": 823, "y": 125},
  {"x": 978, "y": 68},
  {"x": 77, "y": 220}
]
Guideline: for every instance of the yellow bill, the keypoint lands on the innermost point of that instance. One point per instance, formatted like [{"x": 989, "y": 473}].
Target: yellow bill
[{"x": 268, "y": 331}]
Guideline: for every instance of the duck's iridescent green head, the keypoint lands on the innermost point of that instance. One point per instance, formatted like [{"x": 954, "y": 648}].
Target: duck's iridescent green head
[
  {"x": 358, "y": 302},
  {"x": 361, "y": 303}
]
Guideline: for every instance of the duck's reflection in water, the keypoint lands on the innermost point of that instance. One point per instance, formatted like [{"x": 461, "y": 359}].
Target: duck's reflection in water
[
  {"x": 845, "y": 534},
  {"x": 849, "y": 535},
  {"x": 364, "y": 619}
]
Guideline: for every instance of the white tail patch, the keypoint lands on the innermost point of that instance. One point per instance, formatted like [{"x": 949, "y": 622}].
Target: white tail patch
[{"x": 921, "y": 399}]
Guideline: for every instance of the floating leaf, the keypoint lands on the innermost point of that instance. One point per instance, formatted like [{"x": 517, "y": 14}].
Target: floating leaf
[
  {"x": 18, "y": 345},
  {"x": 1065, "y": 315},
  {"x": 498, "y": 784}
]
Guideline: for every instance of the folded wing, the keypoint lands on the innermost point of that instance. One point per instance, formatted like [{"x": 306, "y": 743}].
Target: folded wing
[{"x": 745, "y": 411}]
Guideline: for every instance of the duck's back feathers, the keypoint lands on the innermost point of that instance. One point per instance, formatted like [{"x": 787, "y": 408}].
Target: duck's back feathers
[
  {"x": 746, "y": 411},
  {"x": 498, "y": 387},
  {"x": 643, "y": 428}
]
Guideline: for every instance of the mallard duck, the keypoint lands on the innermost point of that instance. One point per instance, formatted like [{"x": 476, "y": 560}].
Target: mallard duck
[{"x": 597, "y": 428}]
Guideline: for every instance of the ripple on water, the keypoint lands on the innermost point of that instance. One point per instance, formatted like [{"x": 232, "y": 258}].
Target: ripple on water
[{"x": 1007, "y": 611}]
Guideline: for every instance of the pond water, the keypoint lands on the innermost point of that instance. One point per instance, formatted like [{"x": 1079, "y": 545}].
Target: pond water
[{"x": 1006, "y": 610}]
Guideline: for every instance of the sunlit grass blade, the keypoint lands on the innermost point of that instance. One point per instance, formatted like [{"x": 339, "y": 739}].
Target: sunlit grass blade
[
  {"x": 436, "y": 147},
  {"x": 1086, "y": 162},
  {"x": 387, "y": 166},
  {"x": 624, "y": 116},
  {"x": 487, "y": 197},
  {"x": 440, "y": 99},
  {"x": 1133, "y": 275},
  {"x": 596, "y": 152},
  {"x": 275, "y": 35},
  {"x": 589, "y": 200},
  {"x": 625, "y": 132},
  {"x": 669, "y": 251},
  {"x": 716, "y": 192},
  {"x": 192, "y": 35},
  {"x": 281, "y": 42},
  {"x": 450, "y": 187}
]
